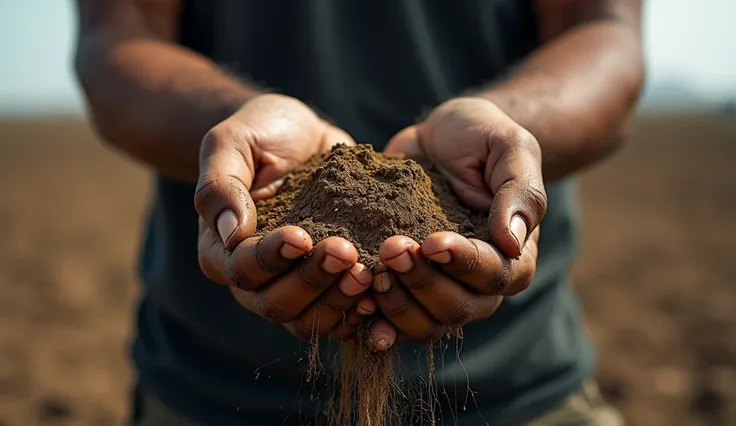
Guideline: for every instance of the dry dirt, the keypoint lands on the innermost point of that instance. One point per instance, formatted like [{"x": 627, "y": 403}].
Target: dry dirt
[{"x": 657, "y": 273}]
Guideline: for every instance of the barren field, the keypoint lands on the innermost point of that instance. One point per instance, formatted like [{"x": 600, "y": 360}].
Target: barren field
[{"x": 657, "y": 273}]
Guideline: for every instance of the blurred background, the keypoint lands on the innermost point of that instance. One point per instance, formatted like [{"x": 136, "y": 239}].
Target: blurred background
[{"x": 657, "y": 272}]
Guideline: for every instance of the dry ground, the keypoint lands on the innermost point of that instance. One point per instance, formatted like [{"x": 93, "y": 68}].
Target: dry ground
[{"x": 657, "y": 273}]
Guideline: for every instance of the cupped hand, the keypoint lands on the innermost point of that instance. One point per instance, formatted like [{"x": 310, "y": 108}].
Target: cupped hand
[
  {"x": 447, "y": 280},
  {"x": 281, "y": 276}
]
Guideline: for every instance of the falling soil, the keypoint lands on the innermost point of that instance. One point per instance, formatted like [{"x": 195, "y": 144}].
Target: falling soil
[{"x": 367, "y": 197}]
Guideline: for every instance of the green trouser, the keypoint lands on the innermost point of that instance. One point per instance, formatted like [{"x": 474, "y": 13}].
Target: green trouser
[{"x": 584, "y": 408}]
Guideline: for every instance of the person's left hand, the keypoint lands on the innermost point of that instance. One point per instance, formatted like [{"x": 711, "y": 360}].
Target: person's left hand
[{"x": 494, "y": 165}]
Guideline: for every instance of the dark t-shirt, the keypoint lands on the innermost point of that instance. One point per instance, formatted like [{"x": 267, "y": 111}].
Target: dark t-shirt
[{"x": 372, "y": 67}]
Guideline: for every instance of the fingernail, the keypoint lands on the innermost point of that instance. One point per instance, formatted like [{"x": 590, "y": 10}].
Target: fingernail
[
  {"x": 381, "y": 344},
  {"x": 350, "y": 287},
  {"x": 227, "y": 223},
  {"x": 361, "y": 274},
  {"x": 441, "y": 257},
  {"x": 290, "y": 252},
  {"x": 401, "y": 263},
  {"x": 518, "y": 230},
  {"x": 363, "y": 311},
  {"x": 382, "y": 282},
  {"x": 333, "y": 265}
]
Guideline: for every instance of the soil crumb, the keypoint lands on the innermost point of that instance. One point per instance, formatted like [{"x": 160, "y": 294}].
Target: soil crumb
[{"x": 367, "y": 197}]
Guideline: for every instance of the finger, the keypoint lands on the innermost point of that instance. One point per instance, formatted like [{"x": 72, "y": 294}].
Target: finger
[
  {"x": 211, "y": 255},
  {"x": 366, "y": 306},
  {"x": 446, "y": 299},
  {"x": 383, "y": 335},
  {"x": 289, "y": 294},
  {"x": 246, "y": 299},
  {"x": 408, "y": 316},
  {"x": 347, "y": 327},
  {"x": 514, "y": 174},
  {"x": 331, "y": 308},
  {"x": 479, "y": 265},
  {"x": 405, "y": 142},
  {"x": 474, "y": 262},
  {"x": 267, "y": 191},
  {"x": 272, "y": 169},
  {"x": 334, "y": 136},
  {"x": 226, "y": 173},
  {"x": 257, "y": 260}
]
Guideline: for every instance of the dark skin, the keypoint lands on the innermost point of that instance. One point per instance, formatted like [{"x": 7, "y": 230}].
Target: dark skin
[{"x": 562, "y": 110}]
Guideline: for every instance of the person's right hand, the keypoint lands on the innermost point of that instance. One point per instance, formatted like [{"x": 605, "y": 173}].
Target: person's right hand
[{"x": 242, "y": 159}]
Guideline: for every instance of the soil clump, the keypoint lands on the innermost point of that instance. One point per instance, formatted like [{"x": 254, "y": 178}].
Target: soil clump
[{"x": 367, "y": 197}]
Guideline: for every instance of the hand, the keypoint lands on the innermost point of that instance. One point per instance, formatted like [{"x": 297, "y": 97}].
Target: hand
[
  {"x": 493, "y": 164},
  {"x": 242, "y": 159}
]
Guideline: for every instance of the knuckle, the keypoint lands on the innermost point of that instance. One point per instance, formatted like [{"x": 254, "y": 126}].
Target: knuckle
[
  {"x": 241, "y": 281},
  {"x": 419, "y": 281},
  {"x": 537, "y": 198},
  {"x": 306, "y": 273},
  {"x": 497, "y": 283},
  {"x": 522, "y": 282},
  {"x": 394, "y": 310},
  {"x": 218, "y": 188},
  {"x": 212, "y": 137},
  {"x": 491, "y": 309},
  {"x": 206, "y": 187},
  {"x": 216, "y": 138},
  {"x": 266, "y": 310},
  {"x": 210, "y": 271},
  {"x": 337, "y": 302},
  {"x": 262, "y": 259},
  {"x": 521, "y": 138},
  {"x": 461, "y": 313},
  {"x": 468, "y": 265}
]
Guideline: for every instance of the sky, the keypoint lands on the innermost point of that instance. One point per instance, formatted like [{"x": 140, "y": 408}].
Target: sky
[{"x": 690, "y": 47}]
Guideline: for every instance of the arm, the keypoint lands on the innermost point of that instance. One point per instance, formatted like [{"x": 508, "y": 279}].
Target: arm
[
  {"x": 561, "y": 111},
  {"x": 577, "y": 91},
  {"x": 147, "y": 96},
  {"x": 176, "y": 111}
]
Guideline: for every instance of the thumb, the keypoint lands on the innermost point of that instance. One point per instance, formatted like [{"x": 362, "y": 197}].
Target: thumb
[
  {"x": 273, "y": 168},
  {"x": 405, "y": 142},
  {"x": 514, "y": 175},
  {"x": 225, "y": 176},
  {"x": 334, "y": 136}
]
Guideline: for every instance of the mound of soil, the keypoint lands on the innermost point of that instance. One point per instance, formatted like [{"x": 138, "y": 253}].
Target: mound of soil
[{"x": 367, "y": 197}]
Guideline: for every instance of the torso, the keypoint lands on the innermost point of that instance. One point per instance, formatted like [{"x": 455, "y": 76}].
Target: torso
[{"x": 372, "y": 70}]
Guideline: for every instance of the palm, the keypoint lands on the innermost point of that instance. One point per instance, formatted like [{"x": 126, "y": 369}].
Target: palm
[
  {"x": 283, "y": 135},
  {"x": 455, "y": 138},
  {"x": 492, "y": 163}
]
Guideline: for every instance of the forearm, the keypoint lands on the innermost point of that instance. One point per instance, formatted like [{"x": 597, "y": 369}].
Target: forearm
[
  {"x": 576, "y": 93},
  {"x": 155, "y": 100}
]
